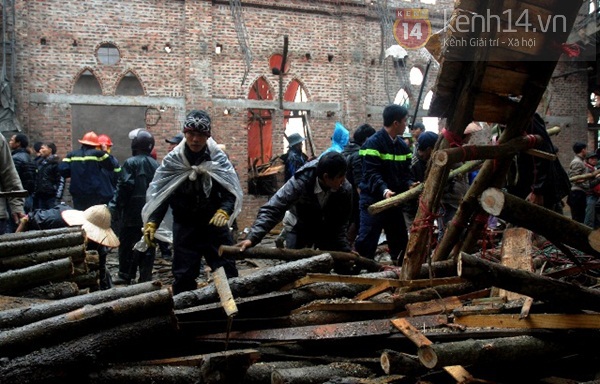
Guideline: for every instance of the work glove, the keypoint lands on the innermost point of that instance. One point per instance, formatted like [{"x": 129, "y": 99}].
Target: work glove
[
  {"x": 219, "y": 219},
  {"x": 149, "y": 231}
]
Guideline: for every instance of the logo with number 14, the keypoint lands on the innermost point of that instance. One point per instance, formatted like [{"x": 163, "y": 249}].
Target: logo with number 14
[{"x": 412, "y": 28}]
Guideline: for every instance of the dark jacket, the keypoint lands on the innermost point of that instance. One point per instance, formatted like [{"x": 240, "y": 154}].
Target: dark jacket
[
  {"x": 49, "y": 182},
  {"x": 386, "y": 165},
  {"x": 534, "y": 174},
  {"x": 326, "y": 226},
  {"x": 294, "y": 159},
  {"x": 189, "y": 203},
  {"x": 26, "y": 168},
  {"x": 130, "y": 196},
  {"x": 84, "y": 167}
]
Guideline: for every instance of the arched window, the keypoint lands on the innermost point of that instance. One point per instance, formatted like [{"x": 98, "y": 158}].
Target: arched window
[
  {"x": 416, "y": 76},
  {"x": 427, "y": 100},
  {"x": 402, "y": 98},
  {"x": 129, "y": 85},
  {"x": 87, "y": 84},
  {"x": 295, "y": 120}
]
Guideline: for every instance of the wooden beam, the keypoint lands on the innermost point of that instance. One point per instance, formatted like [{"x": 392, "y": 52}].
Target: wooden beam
[{"x": 548, "y": 321}]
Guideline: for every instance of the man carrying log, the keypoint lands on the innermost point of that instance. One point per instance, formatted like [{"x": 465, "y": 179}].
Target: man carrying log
[
  {"x": 386, "y": 170},
  {"x": 320, "y": 197}
]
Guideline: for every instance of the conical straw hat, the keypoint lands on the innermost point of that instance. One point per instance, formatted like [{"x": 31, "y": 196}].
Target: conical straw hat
[{"x": 95, "y": 221}]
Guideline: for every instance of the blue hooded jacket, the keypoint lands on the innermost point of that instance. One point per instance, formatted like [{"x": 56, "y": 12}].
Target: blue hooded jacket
[{"x": 339, "y": 139}]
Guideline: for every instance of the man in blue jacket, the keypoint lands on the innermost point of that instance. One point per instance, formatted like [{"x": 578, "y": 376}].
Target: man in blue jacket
[
  {"x": 84, "y": 166},
  {"x": 386, "y": 172}
]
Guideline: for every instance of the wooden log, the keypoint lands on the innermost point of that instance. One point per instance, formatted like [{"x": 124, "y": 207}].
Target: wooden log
[
  {"x": 216, "y": 367},
  {"x": 20, "y": 316},
  {"x": 260, "y": 373},
  {"x": 265, "y": 280},
  {"x": 10, "y": 247},
  {"x": 555, "y": 227},
  {"x": 89, "y": 280},
  {"x": 34, "y": 234},
  {"x": 419, "y": 242},
  {"x": 585, "y": 176},
  {"x": 506, "y": 351},
  {"x": 318, "y": 373},
  {"x": 346, "y": 258},
  {"x": 414, "y": 193},
  {"x": 76, "y": 252},
  {"x": 145, "y": 374},
  {"x": 400, "y": 301},
  {"x": 9, "y": 194},
  {"x": 72, "y": 361},
  {"x": 21, "y": 279},
  {"x": 393, "y": 362},
  {"x": 21, "y": 340},
  {"x": 60, "y": 290},
  {"x": 567, "y": 295}
]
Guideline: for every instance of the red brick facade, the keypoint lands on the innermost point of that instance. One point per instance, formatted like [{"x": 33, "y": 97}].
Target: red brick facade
[{"x": 334, "y": 51}]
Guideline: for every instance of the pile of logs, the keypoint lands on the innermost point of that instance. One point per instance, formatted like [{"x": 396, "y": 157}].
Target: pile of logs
[
  {"x": 47, "y": 264},
  {"x": 298, "y": 322}
]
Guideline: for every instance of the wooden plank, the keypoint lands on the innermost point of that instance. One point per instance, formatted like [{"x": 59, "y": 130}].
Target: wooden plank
[
  {"x": 548, "y": 321},
  {"x": 516, "y": 251},
  {"x": 374, "y": 290},
  {"x": 345, "y": 306},
  {"x": 487, "y": 309},
  {"x": 411, "y": 332},
  {"x": 311, "y": 278},
  {"x": 437, "y": 306},
  {"x": 462, "y": 376}
]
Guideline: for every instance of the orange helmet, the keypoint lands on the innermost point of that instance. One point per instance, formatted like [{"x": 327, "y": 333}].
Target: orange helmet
[
  {"x": 90, "y": 138},
  {"x": 105, "y": 139}
]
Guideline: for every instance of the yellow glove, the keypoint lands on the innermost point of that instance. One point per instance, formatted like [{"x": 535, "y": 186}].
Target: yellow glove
[
  {"x": 149, "y": 231},
  {"x": 219, "y": 219}
]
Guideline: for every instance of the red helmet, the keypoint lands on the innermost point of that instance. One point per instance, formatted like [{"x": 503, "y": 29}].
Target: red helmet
[
  {"x": 90, "y": 138},
  {"x": 105, "y": 139}
]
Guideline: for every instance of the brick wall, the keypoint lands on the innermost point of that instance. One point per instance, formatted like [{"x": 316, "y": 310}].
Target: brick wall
[{"x": 343, "y": 42}]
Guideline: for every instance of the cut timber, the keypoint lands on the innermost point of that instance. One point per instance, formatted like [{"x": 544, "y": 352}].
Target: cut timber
[
  {"x": 21, "y": 316},
  {"x": 549, "y": 321},
  {"x": 411, "y": 332},
  {"x": 346, "y": 306},
  {"x": 553, "y": 226},
  {"x": 21, "y": 279},
  {"x": 414, "y": 193},
  {"x": 527, "y": 283},
  {"x": 393, "y": 362},
  {"x": 142, "y": 374},
  {"x": 436, "y": 306},
  {"x": 419, "y": 242},
  {"x": 318, "y": 373},
  {"x": 260, "y": 373},
  {"x": 80, "y": 356},
  {"x": 327, "y": 332},
  {"x": 516, "y": 251},
  {"x": 321, "y": 277},
  {"x": 19, "y": 246},
  {"x": 73, "y": 324},
  {"x": 400, "y": 301},
  {"x": 345, "y": 258},
  {"x": 491, "y": 351},
  {"x": 224, "y": 291},
  {"x": 217, "y": 367},
  {"x": 262, "y": 281},
  {"x": 60, "y": 290},
  {"x": 76, "y": 252},
  {"x": 461, "y": 375}
]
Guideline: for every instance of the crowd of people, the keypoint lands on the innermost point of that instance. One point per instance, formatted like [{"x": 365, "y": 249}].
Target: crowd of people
[{"x": 188, "y": 204}]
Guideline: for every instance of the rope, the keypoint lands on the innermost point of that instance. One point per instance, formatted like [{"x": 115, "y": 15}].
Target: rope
[{"x": 454, "y": 139}]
